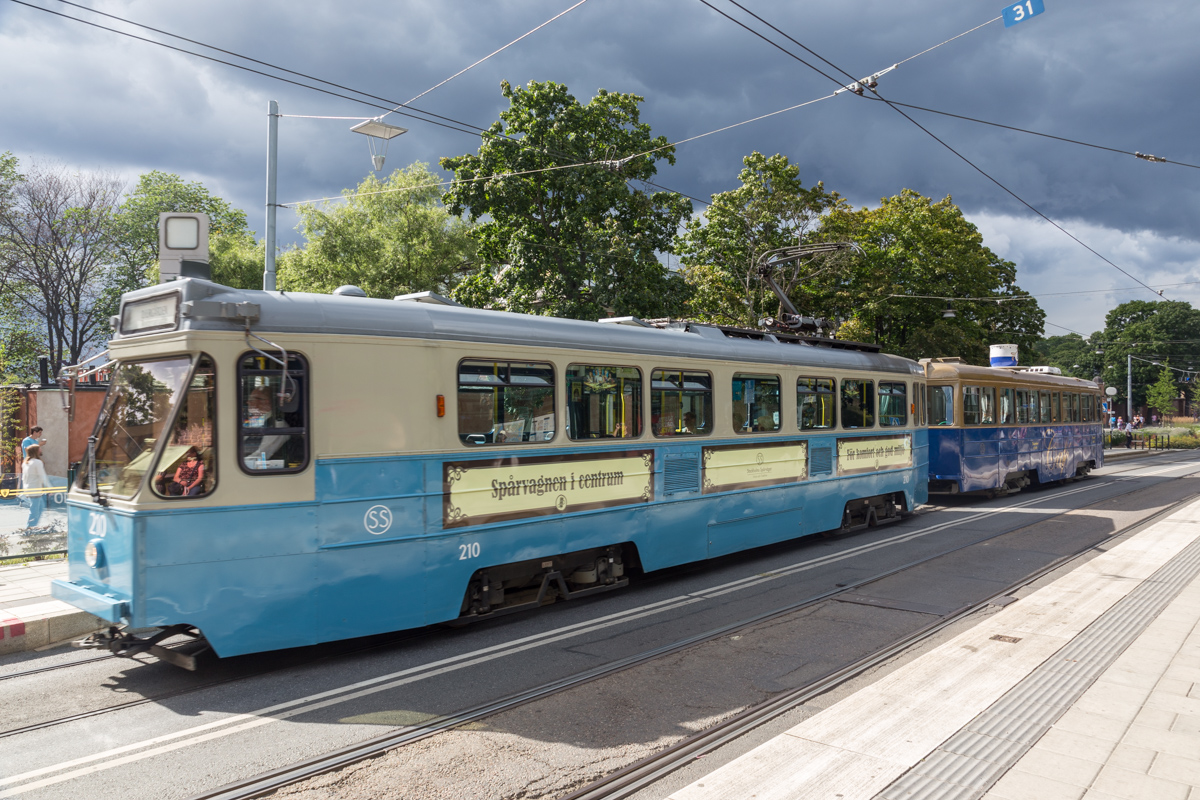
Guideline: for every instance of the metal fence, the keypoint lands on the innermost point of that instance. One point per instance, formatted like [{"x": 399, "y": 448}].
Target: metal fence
[{"x": 1137, "y": 441}]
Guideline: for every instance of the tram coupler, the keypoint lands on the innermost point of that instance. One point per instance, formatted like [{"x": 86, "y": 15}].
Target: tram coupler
[{"x": 123, "y": 644}]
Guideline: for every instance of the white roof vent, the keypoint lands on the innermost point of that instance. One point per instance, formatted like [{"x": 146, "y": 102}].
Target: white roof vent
[{"x": 349, "y": 291}]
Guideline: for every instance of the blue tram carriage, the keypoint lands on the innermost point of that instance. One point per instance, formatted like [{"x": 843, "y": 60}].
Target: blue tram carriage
[
  {"x": 273, "y": 469},
  {"x": 1000, "y": 429}
]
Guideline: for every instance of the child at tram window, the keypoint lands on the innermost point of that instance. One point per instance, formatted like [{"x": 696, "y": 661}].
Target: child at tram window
[{"x": 190, "y": 475}]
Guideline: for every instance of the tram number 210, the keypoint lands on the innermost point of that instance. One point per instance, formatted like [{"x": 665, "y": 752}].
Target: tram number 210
[{"x": 466, "y": 551}]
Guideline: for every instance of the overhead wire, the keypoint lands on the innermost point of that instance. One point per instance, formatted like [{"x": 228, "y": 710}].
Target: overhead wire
[
  {"x": 489, "y": 55},
  {"x": 928, "y": 132},
  {"x": 1066, "y": 139},
  {"x": 463, "y": 127}
]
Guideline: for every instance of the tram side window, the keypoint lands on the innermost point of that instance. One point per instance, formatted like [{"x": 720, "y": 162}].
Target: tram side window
[
  {"x": 919, "y": 391},
  {"x": 680, "y": 403},
  {"x": 505, "y": 402},
  {"x": 756, "y": 401},
  {"x": 1044, "y": 407},
  {"x": 972, "y": 413},
  {"x": 1008, "y": 412},
  {"x": 987, "y": 405},
  {"x": 1023, "y": 406},
  {"x": 815, "y": 404},
  {"x": 1074, "y": 407},
  {"x": 187, "y": 466},
  {"x": 893, "y": 404},
  {"x": 273, "y": 418},
  {"x": 603, "y": 402},
  {"x": 1088, "y": 404},
  {"x": 941, "y": 405},
  {"x": 858, "y": 403}
]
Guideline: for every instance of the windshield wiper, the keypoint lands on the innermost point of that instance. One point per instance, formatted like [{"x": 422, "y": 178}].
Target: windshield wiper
[{"x": 99, "y": 498}]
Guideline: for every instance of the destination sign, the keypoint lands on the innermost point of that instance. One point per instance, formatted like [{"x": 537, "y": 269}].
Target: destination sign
[
  {"x": 496, "y": 490},
  {"x": 745, "y": 466}
]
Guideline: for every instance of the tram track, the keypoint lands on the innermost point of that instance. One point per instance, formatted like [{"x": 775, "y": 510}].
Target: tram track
[
  {"x": 636, "y": 776},
  {"x": 336, "y": 759}
]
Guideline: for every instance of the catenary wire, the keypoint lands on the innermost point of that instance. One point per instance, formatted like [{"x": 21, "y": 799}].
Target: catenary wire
[
  {"x": 928, "y": 132},
  {"x": 1066, "y": 139},
  {"x": 489, "y": 55},
  {"x": 468, "y": 128}
]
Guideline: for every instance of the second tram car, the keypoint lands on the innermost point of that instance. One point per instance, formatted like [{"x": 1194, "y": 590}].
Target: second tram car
[
  {"x": 999, "y": 429},
  {"x": 274, "y": 469}
]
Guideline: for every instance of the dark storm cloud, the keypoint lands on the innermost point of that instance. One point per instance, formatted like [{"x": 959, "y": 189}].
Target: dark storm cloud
[{"x": 1108, "y": 72}]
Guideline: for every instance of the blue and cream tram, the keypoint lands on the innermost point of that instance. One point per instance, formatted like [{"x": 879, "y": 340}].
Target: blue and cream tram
[
  {"x": 274, "y": 469},
  {"x": 998, "y": 429}
]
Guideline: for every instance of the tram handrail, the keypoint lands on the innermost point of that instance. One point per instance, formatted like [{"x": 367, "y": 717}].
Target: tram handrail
[{"x": 285, "y": 394}]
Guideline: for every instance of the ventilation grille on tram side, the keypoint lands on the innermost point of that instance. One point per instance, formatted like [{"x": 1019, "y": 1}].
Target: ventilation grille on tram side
[
  {"x": 821, "y": 460},
  {"x": 681, "y": 473}
]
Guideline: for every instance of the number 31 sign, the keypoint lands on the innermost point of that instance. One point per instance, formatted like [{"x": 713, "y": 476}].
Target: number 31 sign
[{"x": 1022, "y": 11}]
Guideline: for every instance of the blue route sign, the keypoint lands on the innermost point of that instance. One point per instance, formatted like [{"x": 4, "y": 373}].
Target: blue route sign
[{"x": 1022, "y": 11}]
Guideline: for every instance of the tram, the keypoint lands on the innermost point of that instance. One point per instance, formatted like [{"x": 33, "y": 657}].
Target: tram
[
  {"x": 999, "y": 429},
  {"x": 274, "y": 469}
]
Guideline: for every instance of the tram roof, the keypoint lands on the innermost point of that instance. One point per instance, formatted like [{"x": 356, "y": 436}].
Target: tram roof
[
  {"x": 939, "y": 370},
  {"x": 207, "y": 306}
]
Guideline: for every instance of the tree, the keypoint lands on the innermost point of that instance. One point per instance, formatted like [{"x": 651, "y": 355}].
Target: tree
[
  {"x": 566, "y": 240},
  {"x": 720, "y": 251},
  {"x": 236, "y": 260},
  {"x": 1162, "y": 394},
  {"x": 1150, "y": 331},
  {"x": 1072, "y": 354},
  {"x": 55, "y": 256},
  {"x": 134, "y": 229},
  {"x": 915, "y": 249},
  {"x": 388, "y": 237}
]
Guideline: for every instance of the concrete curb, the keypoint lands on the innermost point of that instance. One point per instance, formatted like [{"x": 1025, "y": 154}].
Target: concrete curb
[{"x": 19, "y": 634}]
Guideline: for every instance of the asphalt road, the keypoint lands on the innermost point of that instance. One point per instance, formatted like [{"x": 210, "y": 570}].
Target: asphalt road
[{"x": 235, "y": 722}]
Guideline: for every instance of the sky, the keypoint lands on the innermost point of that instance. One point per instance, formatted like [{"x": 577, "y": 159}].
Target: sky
[{"x": 1111, "y": 73}]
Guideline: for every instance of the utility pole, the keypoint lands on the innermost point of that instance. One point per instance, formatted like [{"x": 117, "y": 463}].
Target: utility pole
[
  {"x": 272, "y": 170},
  {"x": 1128, "y": 387}
]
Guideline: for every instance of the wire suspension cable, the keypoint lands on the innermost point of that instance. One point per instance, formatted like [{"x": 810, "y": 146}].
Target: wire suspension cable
[
  {"x": 489, "y": 55},
  {"x": 928, "y": 132}
]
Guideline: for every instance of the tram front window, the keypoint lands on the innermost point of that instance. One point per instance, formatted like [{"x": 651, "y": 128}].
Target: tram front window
[
  {"x": 187, "y": 464},
  {"x": 134, "y": 417}
]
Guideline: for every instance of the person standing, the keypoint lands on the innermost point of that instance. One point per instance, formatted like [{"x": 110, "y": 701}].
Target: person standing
[
  {"x": 1128, "y": 435},
  {"x": 34, "y": 437},
  {"x": 34, "y": 480}
]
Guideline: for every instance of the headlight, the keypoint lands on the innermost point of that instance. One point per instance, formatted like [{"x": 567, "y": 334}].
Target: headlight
[{"x": 93, "y": 554}]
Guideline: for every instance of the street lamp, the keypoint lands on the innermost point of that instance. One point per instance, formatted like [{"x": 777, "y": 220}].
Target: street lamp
[
  {"x": 374, "y": 129},
  {"x": 378, "y": 133}
]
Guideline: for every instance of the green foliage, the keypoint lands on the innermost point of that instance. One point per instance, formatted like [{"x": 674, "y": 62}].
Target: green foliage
[
  {"x": 134, "y": 229},
  {"x": 236, "y": 260},
  {"x": 1161, "y": 395},
  {"x": 1071, "y": 353},
  {"x": 571, "y": 242},
  {"x": 720, "y": 251},
  {"x": 915, "y": 246},
  {"x": 1151, "y": 330},
  {"x": 388, "y": 237}
]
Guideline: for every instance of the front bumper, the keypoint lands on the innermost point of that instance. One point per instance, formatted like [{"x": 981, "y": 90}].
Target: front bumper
[{"x": 96, "y": 600}]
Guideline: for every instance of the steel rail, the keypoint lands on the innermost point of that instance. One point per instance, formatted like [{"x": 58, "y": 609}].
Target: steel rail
[
  {"x": 407, "y": 636},
  {"x": 273, "y": 780},
  {"x": 637, "y": 776}
]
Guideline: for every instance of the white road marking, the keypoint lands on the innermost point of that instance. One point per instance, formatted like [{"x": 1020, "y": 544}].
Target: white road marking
[{"x": 241, "y": 722}]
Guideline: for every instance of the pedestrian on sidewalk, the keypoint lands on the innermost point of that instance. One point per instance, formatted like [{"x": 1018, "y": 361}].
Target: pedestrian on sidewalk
[
  {"x": 1128, "y": 435},
  {"x": 33, "y": 479}
]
